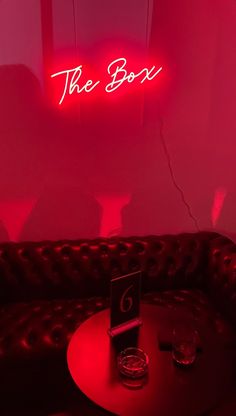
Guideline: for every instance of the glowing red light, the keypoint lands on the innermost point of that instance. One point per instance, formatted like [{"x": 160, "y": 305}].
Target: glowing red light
[
  {"x": 71, "y": 86},
  {"x": 117, "y": 72},
  {"x": 125, "y": 76},
  {"x": 220, "y": 195}
]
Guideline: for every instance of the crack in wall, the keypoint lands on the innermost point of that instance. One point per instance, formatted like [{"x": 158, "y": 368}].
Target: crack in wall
[{"x": 173, "y": 178}]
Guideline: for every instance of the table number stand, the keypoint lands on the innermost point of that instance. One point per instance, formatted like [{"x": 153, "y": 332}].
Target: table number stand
[{"x": 125, "y": 303}]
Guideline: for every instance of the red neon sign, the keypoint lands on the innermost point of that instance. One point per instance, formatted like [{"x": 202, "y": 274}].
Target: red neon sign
[{"x": 117, "y": 72}]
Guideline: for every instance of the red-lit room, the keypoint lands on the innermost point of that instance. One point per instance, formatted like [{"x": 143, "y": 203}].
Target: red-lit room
[{"x": 117, "y": 208}]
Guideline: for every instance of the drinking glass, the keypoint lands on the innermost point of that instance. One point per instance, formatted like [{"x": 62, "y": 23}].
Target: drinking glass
[{"x": 184, "y": 345}]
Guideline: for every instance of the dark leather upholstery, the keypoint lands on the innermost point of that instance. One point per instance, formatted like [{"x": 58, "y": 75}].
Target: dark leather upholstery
[
  {"x": 48, "y": 288},
  {"x": 40, "y": 329},
  {"x": 222, "y": 276},
  {"x": 65, "y": 269}
]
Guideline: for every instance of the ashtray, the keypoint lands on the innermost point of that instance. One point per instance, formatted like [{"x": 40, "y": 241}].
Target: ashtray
[{"x": 133, "y": 362}]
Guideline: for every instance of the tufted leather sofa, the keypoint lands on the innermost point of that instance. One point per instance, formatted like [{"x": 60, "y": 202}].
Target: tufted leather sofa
[{"x": 48, "y": 288}]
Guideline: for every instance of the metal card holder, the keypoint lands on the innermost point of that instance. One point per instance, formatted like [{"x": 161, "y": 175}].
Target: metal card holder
[{"x": 125, "y": 303}]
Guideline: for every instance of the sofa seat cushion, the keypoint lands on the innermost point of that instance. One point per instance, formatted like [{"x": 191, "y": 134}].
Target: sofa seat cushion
[
  {"x": 42, "y": 329},
  {"x": 199, "y": 305}
]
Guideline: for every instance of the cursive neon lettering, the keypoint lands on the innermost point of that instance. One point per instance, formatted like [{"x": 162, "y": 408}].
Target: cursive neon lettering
[
  {"x": 76, "y": 74},
  {"x": 131, "y": 77},
  {"x": 67, "y": 71},
  {"x": 148, "y": 72},
  {"x": 119, "y": 69},
  {"x": 116, "y": 83},
  {"x": 74, "y": 79},
  {"x": 118, "y": 74}
]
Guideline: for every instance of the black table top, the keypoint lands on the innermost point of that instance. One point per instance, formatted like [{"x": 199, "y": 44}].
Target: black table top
[{"x": 169, "y": 390}]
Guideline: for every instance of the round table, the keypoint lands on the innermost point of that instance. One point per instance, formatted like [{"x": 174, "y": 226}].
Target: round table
[{"x": 169, "y": 390}]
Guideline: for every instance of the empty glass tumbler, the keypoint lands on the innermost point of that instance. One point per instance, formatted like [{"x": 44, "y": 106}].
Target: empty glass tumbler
[{"x": 184, "y": 344}]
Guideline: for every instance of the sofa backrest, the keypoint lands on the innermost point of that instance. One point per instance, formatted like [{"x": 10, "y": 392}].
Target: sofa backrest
[{"x": 83, "y": 268}]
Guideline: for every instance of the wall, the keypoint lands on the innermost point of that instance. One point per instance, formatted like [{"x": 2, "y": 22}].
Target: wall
[
  {"x": 20, "y": 43},
  {"x": 102, "y": 167},
  {"x": 197, "y": 42}
]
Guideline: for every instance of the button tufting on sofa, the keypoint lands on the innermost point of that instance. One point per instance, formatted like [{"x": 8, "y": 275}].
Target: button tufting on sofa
[{"x": 47, "y": 289}]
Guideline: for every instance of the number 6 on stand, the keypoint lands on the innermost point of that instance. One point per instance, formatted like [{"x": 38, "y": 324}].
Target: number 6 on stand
[
  {"x": 126, "y": 299},
  {"x": 125, "y": 303}
]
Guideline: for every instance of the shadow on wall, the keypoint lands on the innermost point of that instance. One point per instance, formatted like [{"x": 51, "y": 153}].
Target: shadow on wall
[
  {"x": 51, "y": 164},
  {"x": 201, "y": 104},
  {"x": 155, "y": 211},
  {"x": 39, "y": 147},
  {"x": 21, "y": 157},
  {"x": 22, "y": 146},
  {"x": 3, "y": 233},
  {"x": 63, "y": 213}
]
